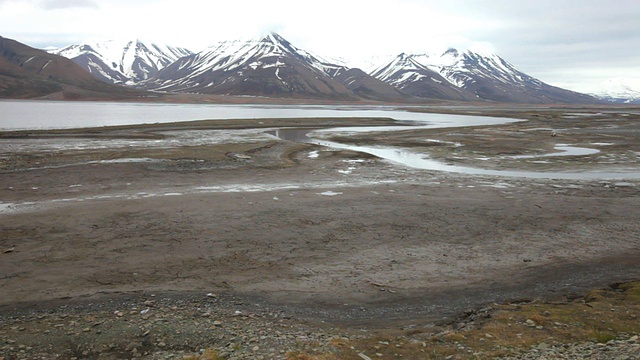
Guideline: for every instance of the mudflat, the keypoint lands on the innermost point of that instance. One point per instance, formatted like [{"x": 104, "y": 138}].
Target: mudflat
[{"x": 327, "y": 234}]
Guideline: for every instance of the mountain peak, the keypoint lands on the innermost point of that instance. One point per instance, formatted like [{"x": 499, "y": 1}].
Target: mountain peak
[{"x": 273, "y": 38}]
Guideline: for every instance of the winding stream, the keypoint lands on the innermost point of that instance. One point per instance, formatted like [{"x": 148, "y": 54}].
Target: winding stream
[{"x": 422, "y": 161}]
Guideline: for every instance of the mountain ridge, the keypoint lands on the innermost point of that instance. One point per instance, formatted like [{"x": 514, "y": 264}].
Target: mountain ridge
[{"x": 270, "y": 66}]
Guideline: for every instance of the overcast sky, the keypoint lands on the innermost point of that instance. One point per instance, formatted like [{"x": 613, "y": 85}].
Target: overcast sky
[{"x": 576, "y": 44}]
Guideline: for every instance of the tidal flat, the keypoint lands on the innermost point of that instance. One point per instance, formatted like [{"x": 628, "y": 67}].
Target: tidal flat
[{"x": 331, "y": 241}]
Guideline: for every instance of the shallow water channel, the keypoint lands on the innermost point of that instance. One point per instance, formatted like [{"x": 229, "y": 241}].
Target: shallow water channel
[{"x": 422, "y": 161}]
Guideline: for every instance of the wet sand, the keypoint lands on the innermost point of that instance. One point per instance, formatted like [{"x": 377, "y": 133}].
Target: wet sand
[{"x": 329, "y": 235}]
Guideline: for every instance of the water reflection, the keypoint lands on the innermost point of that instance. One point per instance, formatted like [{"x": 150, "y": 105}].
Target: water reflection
[{"x": 33, "y": 114}]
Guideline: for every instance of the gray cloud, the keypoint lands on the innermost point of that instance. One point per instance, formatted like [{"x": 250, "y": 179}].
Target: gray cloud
[{"x": 549, "y": 38}]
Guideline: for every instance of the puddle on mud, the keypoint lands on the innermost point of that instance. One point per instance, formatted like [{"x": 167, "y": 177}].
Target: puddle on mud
[{"x": 4, "y": 207}]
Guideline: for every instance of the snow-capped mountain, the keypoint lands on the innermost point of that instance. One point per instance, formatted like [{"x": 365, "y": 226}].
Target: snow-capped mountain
[
  {"x": 619, "y": 90},
  {"x": 271, "y": 66},
  {"x": 474, "y": 75},
  {"x": 264, "y": 66},
  {"x": 127, "y": 62}
]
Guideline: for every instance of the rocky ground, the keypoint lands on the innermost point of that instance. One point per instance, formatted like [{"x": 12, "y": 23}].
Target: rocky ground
[
  {"x": 212, "y": 326},
  {"x": 114, "y": 237}
]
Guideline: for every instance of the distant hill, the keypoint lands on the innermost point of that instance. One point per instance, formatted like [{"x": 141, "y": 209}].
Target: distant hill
[
  {"x": 620, "y": 91},
  {"x": 26, "y": 72}
]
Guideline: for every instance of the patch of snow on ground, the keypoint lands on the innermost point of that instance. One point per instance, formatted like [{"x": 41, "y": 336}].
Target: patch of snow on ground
[
  {"x": 602, "y": 144},
  {"x": 330, "y": 193},
  {"x": 498, "y": 185},
  {"x": 126, "y": 160}
]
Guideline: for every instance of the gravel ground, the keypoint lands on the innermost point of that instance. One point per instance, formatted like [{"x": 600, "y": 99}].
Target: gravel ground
[{"x": 623, "y": 348}]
